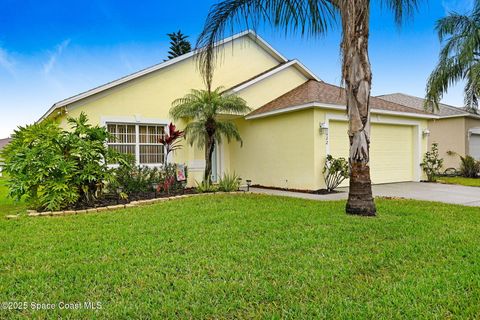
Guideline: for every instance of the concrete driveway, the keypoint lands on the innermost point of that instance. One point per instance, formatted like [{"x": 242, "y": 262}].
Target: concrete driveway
[{"x": 446, "y": 193}]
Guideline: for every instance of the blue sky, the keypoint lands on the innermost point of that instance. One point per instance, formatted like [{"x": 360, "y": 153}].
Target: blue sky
[{"x": 50, "y": 50}]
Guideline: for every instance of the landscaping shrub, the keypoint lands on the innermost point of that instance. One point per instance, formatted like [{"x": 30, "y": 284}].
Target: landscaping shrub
[
  {"x": 54, "y": 169},
  {"x": 168, "y": 179},
  {"x": 469, "y": 167},
  {"x": 335, "y": 172},
  {"x": 139, "y": 181},
  {"x": 132, "y": 179},
  {"x": 206, "y": 186},
  {"x": 432, "y": 163},
  {"x": 229, "y": 182}
]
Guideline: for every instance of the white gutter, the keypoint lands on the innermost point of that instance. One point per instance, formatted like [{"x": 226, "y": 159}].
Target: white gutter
[{"x": 336, "y": 107}]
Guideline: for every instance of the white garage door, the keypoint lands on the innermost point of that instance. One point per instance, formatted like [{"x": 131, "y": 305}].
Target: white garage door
[
  {"x": 474, "y": 146},
  {"x": 391, "y": 150}
]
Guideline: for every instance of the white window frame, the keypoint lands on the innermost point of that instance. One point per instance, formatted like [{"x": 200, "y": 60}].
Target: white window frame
[{"x": 138, "y": 121}]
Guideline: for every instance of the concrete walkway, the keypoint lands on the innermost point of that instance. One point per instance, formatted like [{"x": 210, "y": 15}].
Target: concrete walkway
[{"x": 446, "y": 193}]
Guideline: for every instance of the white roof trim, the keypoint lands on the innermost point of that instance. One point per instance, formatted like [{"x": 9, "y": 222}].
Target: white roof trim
[
  {"x": 276, "y": 70},
  {"x": 466, "y": 115},
  {"x": 475, "y": 130},
  {"x": 260, "y": 41},
  {"x": 336, "y": 107}
]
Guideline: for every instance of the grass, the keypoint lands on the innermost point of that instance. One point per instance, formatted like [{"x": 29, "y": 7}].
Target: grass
[
  {"x": 8, "y": 206},
  {"x": 247, "y": 256},
  {"x": 471, "y": 182}
]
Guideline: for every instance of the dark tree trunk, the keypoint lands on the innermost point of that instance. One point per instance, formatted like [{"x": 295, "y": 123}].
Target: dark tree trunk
[
  {"x": 210, "y": 145},
  {"x": 357, "y": 75},
  {"x": 210, "y": 128}
]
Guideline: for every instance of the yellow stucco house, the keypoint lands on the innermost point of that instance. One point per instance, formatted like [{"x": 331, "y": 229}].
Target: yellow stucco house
[{"x": 296, "y": 120}]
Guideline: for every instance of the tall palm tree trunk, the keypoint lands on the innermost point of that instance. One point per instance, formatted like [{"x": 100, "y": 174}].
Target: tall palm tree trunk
[
  {"x": 357, "y": 75},
  {"x": 209, "y": 146}
]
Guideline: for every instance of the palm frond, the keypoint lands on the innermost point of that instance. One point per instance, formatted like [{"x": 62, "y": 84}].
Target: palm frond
[
  {"x": 458, "y": 58},
  {"x": 195, "y": 133},
  {"x": 233, "y": 104},
  {"x": 309, "y": 17},
  {"x": 447, "y": 73},
  {"x": 401, "y": 8},
  {"x": 228, "y": 130}
]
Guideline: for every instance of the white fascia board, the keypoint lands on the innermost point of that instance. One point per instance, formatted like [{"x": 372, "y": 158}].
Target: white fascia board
[
  {"x": 467, "y": 115},
  {"x": 162, "y": 65},
  {"x": 336, "y": 107}
]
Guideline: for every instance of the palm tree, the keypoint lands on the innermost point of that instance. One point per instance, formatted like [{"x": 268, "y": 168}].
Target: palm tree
[
  {"x": 459, "y": 58},
  {"x": 201, "y": 109},
  {"x": 315, "y": 17}
]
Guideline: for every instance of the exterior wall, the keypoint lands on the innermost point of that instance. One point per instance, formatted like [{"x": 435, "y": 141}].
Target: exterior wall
[
  {"x": 277, "y": 151},
  {"x": 271, "y": 88},
  {"x": 451, "y": 135},
  {"x": 289, "y": 150}
]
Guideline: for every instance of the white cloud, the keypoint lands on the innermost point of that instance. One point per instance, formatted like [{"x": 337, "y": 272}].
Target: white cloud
[
  {"x": 52, "y": 60},
  {"x": 460, "y": 6},
  {"x": 6, "y": 61}
]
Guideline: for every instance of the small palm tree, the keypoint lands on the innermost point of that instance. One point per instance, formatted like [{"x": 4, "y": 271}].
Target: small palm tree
[
  {"x": 201, "y": 109},
  {"x": 459, "y": 58},
  {"x": 314, "y": 17}
]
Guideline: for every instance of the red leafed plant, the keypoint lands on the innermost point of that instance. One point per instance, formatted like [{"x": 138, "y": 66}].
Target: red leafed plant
[{"x": 171, "y": 140}]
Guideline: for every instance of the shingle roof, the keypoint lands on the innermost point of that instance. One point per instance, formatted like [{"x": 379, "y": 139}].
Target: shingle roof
[
  {"x": 445, "y": 110},
  {"x": 320, "y": 92},
  {"x": 4, "y": 142}
]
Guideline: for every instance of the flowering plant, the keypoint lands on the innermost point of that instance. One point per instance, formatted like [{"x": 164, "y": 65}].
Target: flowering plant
[{"x": 171, "y": 140}]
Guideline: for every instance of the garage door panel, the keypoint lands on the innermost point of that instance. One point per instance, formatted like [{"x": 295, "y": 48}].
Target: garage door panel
[
  {"x": 391, "y": 150},
  {"x": 474, "y": 146}
]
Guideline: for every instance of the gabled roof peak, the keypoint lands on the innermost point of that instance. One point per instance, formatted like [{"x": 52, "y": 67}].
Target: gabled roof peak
[{"x": 250, "y": 33}]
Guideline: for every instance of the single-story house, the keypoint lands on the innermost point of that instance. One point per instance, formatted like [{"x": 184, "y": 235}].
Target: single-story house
[
  {"x": 297, "y": 119},
  {"x": 454, "y": 129}
]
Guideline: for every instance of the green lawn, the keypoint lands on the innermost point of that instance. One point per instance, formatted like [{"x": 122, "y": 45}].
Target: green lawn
[
  {"x": 8, "y": 206},
  {"x": 471, "y": 182},
  {"x": 247, "y": 256}
]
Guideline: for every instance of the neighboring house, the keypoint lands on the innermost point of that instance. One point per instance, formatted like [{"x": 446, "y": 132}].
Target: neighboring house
[
  {"x": 296, "y": 120},
  {"x": 3, "y": 143},
  {"x": 454, "y": 129}
]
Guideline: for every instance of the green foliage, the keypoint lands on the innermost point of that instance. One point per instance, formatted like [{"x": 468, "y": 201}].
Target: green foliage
[
  {"x": 138, "y": 180},
  {"x": 309, "y": 18},
  {"x": 335, "y": 172},
  {"x": 179, "y": 45},
  {"x": 202, "y": 108},
  {"x": 469, "y": 167},
  {"x": 54, "y": 169},
  {"x": 133, "y": 180},
  {"x": 459, "y": 59},
  {"x": 229, "y": 182},
  {"x": 206, "y": 186},
  {"x": 432, "y": 163}
]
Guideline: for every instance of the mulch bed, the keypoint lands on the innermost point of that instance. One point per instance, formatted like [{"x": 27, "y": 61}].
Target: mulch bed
[
  {"x": 319, "y": 191},
  {"x": 112, "y": 200}
]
